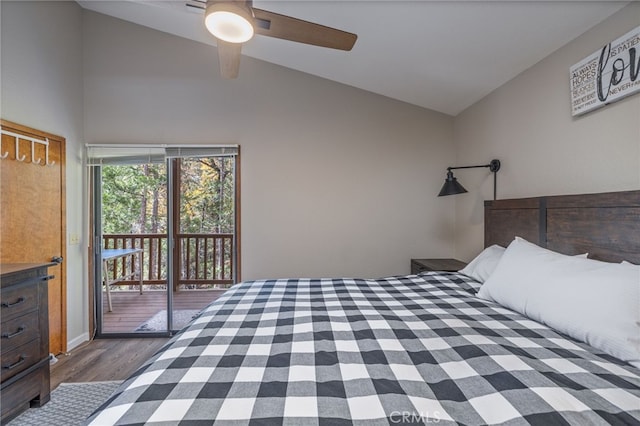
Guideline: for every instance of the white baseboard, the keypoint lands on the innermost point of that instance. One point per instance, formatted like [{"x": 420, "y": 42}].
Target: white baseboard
[{"x": 74, "y": 343}]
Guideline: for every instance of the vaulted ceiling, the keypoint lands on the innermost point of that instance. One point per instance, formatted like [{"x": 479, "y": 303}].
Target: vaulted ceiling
[{"x": 441, "y": 55}]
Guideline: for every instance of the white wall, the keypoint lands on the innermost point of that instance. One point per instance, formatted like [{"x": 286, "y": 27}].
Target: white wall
[
  {"x": 41, "y": 83},
  {"x": 527, "y": 124},
  {"x": 335, "y": 181}
]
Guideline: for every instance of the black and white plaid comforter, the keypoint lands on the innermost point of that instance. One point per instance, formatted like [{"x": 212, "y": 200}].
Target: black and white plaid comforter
[{"x": 401, "y": 350}]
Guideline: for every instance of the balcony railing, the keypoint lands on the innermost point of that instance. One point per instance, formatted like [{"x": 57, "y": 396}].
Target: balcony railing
[{"x": 203, "y": 260}]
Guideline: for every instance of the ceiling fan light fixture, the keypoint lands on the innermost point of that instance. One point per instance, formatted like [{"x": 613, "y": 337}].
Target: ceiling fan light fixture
[{"x": 229, "y": 22}]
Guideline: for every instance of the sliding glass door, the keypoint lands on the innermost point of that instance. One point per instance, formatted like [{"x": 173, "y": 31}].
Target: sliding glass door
[{"x": 164, "y": 240}]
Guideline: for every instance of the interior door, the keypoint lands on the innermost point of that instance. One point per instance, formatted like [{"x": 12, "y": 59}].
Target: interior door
[{"x": 32, "y": 213}]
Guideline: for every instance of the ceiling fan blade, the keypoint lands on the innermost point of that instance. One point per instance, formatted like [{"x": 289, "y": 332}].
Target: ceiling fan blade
[
  {"x": 288, "y": 28},
  {"x": 229, "y": 58}
]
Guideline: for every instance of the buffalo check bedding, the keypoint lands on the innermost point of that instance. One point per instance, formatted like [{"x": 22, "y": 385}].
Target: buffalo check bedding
[{"x": 418, "y": 349}]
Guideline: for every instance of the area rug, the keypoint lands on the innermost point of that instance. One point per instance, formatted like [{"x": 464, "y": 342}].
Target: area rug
[
  {"x": 158, "y": 322},
  {"x": 71, "y": 404}
]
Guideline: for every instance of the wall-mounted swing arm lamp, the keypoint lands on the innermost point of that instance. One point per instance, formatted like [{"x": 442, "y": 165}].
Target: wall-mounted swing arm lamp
[{"x": 452, "y": 186}]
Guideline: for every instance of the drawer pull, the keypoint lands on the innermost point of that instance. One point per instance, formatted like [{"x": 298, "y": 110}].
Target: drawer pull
[
  {"x": 21, "y": 330},
  {"x": 22, "y": 359},
  {"x": 20, "y": 300}
]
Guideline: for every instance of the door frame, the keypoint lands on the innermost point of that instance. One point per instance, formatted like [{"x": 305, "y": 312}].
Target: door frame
[
  {"x": 39, "y": 134},
  {"x": 95, "y": 247}
]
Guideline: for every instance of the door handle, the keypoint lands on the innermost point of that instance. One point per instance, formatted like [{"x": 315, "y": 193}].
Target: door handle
[{"x": 57, "y": 259}]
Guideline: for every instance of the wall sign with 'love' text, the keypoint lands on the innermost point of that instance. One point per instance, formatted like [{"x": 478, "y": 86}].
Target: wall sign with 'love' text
[{"x": 607, "y": 75}]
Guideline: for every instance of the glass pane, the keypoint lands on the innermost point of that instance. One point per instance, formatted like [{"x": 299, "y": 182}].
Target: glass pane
[
  {"x": 205, "y": 234},
  {"x": 134, "y": 227}
]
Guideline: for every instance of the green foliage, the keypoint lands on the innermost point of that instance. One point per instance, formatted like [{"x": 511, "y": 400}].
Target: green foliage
[
  {"x": 134, "y": 198},
  {"x": 206, "y": 195},
  {"x": 128, "y": 193}
]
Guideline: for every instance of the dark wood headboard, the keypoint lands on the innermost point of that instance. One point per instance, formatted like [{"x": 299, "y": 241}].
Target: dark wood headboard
[{"x": 605, "y": 225}]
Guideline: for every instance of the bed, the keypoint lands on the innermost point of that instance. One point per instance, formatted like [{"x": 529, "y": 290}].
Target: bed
[{"x": 398, "y": 350}]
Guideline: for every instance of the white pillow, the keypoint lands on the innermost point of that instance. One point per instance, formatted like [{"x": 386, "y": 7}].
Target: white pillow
[
  {"x": 481, "y": 267},
  {"x": 595, "y": 302},
  {"x": 575, "y": 255}
]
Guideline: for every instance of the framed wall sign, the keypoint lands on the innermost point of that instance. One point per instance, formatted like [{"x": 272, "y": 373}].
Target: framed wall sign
[{"x": 607, "y": 75}]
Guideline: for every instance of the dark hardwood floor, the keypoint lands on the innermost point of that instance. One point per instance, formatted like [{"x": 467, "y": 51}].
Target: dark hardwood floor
[
  {"x": 115, "y": 359},
  {"x": 104, "y": 360}
]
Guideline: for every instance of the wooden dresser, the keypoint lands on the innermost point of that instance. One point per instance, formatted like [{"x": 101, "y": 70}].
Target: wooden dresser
[{"x": 24, "y": 338}]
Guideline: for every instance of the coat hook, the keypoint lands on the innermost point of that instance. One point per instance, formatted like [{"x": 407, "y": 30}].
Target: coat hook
[
  {"x": 18, "y": 157},
  {"x": 5, "y": 155},
  {"x": 46, "y": 153},
  {"x": 33, "y": 153}
]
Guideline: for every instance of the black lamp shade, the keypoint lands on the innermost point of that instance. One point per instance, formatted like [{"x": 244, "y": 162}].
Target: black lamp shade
[{"x": 451, "y": 186}]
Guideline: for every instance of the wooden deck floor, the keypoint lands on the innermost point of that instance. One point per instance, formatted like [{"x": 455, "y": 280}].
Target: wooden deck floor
[{"x": 132, "y": 309}]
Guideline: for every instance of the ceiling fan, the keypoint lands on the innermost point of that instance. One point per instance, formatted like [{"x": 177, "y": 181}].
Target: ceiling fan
[{"x": 235, "y": 22}]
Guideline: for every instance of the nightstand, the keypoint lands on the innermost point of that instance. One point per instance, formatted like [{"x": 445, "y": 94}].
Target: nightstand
[{"x": 447, "y": 265}]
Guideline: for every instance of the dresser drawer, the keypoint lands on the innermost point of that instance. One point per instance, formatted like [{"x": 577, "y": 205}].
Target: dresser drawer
[
  {"x": 20, "y": 359},
  {"x": 30, "y": 390},
  {"x": 18, "y": 331},
  {"x": 18, "y": 300},
  {"x": 24, "y": 337}
]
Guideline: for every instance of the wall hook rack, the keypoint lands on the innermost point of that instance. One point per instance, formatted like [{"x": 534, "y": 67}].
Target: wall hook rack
[{"x": 33, "y": 141}]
